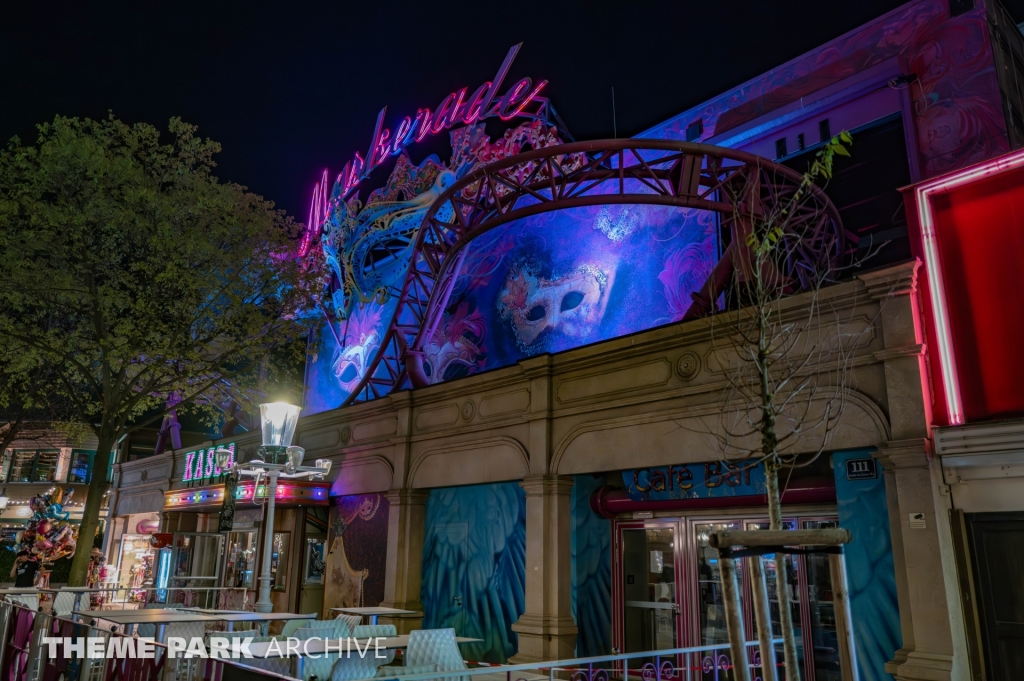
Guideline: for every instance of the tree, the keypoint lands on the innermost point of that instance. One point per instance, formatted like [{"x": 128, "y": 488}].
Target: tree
[
  {"x": 787, "y": 367},
  {"x": 131, "y": 272}
]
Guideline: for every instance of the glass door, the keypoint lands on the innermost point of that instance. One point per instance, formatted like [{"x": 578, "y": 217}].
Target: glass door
[
  {"x": 821, "y": 617},
  {"x": 649, "y": 589}
]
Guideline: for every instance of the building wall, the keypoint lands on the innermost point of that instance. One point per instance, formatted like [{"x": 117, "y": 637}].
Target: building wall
[{"x": 956, "y": 112}]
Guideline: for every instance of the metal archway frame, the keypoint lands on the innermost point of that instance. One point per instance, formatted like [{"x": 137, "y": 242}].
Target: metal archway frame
[{"x": 733, "y": 184}]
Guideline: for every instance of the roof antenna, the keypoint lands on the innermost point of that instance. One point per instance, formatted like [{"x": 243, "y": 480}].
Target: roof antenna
[{"x": 615, "y": 127}]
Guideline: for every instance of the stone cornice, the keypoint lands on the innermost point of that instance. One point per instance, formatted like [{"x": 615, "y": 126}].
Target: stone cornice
[
  {"x": 895, "y": 280},
  {"x": 547, "y": 485},
  {"x": 904, "y": 454}
]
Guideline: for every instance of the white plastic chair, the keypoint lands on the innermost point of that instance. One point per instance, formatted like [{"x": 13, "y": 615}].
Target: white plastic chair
[{"x": 434, "y": 646}]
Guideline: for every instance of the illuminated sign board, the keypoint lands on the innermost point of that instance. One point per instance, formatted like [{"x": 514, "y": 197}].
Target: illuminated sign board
[
  {"x": 201, "y": 465},
  {"x": 212, "y": 496},
  {"x": 455, "y": 109}
]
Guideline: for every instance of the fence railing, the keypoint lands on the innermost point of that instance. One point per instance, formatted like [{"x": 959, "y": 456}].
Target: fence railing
[
  {"x": 69, "y": 599},
  {"x": 25, "y": 655}
]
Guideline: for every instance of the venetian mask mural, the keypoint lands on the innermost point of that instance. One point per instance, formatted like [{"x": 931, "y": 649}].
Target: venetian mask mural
[{"x": 571, "y": 305}]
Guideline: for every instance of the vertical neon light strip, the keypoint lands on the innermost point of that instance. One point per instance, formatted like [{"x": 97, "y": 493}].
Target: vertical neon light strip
[{"x": 936, "y": 284}]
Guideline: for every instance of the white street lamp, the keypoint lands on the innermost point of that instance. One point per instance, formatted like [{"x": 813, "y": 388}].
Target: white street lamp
[{"x": 275, "y": 459}]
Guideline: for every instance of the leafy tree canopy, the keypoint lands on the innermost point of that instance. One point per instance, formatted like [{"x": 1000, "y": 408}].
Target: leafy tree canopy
[{"x": 136, "y": 276}]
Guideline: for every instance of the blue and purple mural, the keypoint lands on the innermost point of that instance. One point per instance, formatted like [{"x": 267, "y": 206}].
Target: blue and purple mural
[
  {"x": 591, "y": 570},
  {"x": 548, "y": 283},
  {"x": 869, "y": 564},
  {"x": 474, "y": 566},
  {"x": 561, "y": 280}
]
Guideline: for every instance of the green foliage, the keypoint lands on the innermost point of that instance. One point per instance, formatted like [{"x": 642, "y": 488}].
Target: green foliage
[
  {"x": 765, "y": 240},
  {"x": 132, "y": 274}
]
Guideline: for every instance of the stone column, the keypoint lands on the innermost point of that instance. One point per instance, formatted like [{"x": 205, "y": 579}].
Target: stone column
[
  {"x": 406, "y": 515},
  {"x": 547, "y": 630},
  {"x": 931, "y": 618},
  {"x": 934, "y": 648}
]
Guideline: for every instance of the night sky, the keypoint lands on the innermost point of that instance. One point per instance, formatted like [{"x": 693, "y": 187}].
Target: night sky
[{"x": 289, "y": 88}]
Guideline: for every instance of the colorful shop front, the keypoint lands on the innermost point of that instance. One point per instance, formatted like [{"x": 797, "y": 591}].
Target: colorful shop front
[{"x": 181, "y": 548}]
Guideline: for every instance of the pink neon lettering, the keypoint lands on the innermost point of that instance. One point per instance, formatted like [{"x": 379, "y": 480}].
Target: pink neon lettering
[
  {"x": 401, "y": 132},
  {"x": 477, "y": 103},
  {"x": 423, "y": 120},
  {"x": 526, "y": 100},
  {"x": 454, "y": 109}
]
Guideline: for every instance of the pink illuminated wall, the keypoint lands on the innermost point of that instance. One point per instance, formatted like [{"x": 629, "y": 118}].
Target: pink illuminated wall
[
  {"x": 970, "y": 235},
  {"x": 954, "y": 106}
]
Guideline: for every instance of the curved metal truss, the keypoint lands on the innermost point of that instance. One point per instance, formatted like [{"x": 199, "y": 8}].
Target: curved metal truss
[{"x": 736, "y": 185}]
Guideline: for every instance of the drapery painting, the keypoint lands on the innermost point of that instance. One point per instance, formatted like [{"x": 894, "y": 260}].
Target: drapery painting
[{"x": 357, "y": 545}]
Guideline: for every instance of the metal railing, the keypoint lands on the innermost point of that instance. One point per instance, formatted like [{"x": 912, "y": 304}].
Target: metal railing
[
  {"x": 699, "y": 663},
  {"x": 67, "y": 600},
  {"x": 24, "y": 656}
]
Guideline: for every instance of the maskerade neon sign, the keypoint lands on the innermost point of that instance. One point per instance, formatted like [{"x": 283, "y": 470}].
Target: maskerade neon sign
[{"x": 455, "y": 109}]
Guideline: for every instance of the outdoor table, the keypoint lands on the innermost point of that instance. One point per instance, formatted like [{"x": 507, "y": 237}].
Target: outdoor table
[
  {"x": 374, "y": 613},
  {"x": 317, "y": 646},
  {"x": 161, "y": 617},
  {"x": 232, "y": 616}
]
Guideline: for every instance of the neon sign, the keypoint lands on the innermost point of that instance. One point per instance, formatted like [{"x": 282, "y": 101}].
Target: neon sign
[
  {"x": 455, "y": 109},
  {"x": 288, "y": 492},
  {"x": 202, "y": 465}
]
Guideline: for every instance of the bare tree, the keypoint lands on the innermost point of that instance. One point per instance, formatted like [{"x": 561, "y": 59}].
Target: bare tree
[{"x": 787, "y": 364}]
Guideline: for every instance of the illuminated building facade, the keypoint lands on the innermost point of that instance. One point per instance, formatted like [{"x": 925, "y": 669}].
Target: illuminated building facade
[{"x": 514, "y": 402}]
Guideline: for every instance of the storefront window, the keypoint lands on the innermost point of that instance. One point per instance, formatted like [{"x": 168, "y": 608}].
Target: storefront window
[
  {"x": 33, "y": 465},
  {"x": 240, "y": 569},
  {"x": 711, "y": 608},
  {"x": 135, "y": 566},
  {"x": 81, "y": 466}
]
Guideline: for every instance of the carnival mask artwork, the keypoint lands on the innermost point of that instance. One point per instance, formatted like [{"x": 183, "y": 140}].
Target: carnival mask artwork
[
  {"x": 456, "y": 347},
  {"x": 361, "y": 340},
  {"x": 572, "y": 305}
]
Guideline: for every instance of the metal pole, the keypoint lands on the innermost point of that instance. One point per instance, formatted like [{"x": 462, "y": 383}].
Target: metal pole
[
  {"x": 263, "y": 603},
  {"x": 844, "y": 620},
  {"x": 763, "y": 617},
  {"x": 733, "y": 616}
]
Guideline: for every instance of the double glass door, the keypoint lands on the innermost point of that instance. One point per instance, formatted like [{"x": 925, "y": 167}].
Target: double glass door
[{"x": 669, "y": 591}]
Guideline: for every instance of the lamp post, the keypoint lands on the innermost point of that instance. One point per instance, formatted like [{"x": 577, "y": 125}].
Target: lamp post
[{"x": 275, "y": 459}]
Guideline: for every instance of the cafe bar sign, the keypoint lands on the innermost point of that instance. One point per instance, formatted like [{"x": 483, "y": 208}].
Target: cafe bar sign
[
  {"x": 695, "y": 481},
  {"x": 201, "y": 465}
]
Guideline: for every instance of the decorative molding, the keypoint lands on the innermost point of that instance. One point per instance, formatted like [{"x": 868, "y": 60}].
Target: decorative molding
[
  {"x": 888, "y": 282},
  {"x": 363, "y": 475},
  {"x": 498, "y": 450},
  {"x": 637, "y": 377},
  {"x": 688, "y": 365},
  {"x": 509, "y": 402},
  {"x": 547, "y": 485},
  {"x": 437, "y": 417},
  {"x": 982, "y": 438},
  {"x": 468, "y": 410},
  {"x": 904, "y": 454},
  {"x": 896, "y": 353}
]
